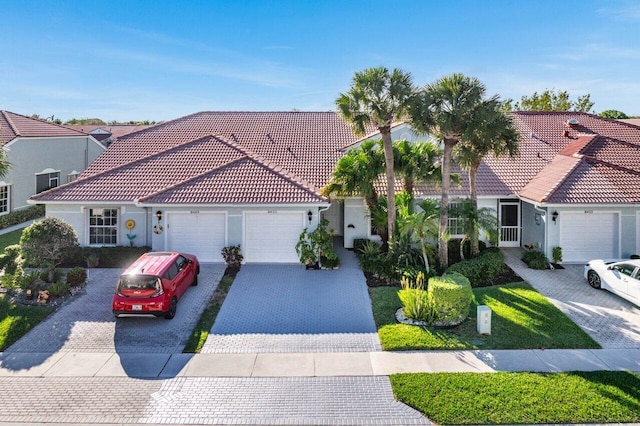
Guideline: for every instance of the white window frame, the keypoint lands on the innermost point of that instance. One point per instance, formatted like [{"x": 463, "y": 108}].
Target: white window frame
[
  {"x": 5, "y": 202},
  {"x": 113, "y": 225},
  {"x": 72, "y": 176},
  {"x": 452, "y": 222}
]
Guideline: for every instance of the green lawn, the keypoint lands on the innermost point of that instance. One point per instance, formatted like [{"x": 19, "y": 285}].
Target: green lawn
[
  {"x": 516, "y": 398},
  {"x": 10, "y": 238},
  {"x": 521, "y": 318},
  {"x": 17, "y": 320},
  {"x": 208, "y": 317}
]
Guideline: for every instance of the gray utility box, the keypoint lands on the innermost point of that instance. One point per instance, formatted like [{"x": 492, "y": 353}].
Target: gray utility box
[{"x": 484, "y": 319}]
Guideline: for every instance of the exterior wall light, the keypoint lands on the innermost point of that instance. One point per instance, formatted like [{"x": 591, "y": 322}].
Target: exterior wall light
[
  {"x": 159, "y": 215},
  {"x": 554, "y": 216},
  {"x": 310, "y": 215}
]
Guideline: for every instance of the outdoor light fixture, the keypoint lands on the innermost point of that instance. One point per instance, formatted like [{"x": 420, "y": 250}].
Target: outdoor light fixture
[
  {"x": 554, "y": 216},
  {"x": 310, "y": 215},
  {"x": 159, "y": 215}
]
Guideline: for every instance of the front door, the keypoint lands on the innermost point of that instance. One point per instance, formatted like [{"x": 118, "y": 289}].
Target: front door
[{"x": 509, "y": 223}]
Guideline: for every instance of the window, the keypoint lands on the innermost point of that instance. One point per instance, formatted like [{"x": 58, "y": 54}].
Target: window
[
  {"x": 72, "y": 176},
  {"x": 171, "y": 272},
  {"x": 625, "y": 269},
  {"x": 46, "y": 181},
  {"x": 103, "y": 226},
  {"x": 455, "y": 224},
  {"x": 4, "y": 199}
]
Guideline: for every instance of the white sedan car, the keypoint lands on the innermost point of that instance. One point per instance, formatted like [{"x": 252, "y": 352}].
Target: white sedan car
[{"x": 621, "y": 277}]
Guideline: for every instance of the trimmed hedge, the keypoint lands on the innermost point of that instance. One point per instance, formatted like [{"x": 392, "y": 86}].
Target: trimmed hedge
[
  {"x": 450, "y": 296},
  {"x": 482, "y": 270},
  {"x": 20, "y": 216},
  {"x": 535, "y": 259},
  {"x": 453, "y": 246},
  {"x": 109, "y": 257}
]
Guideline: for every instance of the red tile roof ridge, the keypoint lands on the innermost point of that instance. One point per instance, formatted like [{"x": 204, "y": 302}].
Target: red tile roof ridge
[
  {"x": 14, "y": 129},
  {"x": 530, "y": 190},
  {"x": 579, "y": 143}
]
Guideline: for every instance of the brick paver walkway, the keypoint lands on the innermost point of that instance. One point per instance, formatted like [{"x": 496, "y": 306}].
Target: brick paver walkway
[
  {"x": 265, "y": 401},
  {"x": 610, "y": 320}
]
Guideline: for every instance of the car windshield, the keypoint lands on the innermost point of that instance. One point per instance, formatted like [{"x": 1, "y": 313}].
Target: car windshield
[{"x": 139, "y": 284}]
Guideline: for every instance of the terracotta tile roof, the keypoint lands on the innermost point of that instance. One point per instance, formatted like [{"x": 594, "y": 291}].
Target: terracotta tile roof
[
  {"x": 594, "y": 160},
  {"x": 174, "y": 161},
  {"x": 13, "y": 125}
]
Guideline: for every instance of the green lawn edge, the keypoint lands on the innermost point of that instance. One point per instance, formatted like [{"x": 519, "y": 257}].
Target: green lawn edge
[
  {"x": 522, "y": 398},
  {"x": 522, "y": 318},
  {"x": 208, "y": 317},
  {"x": 16, "y": 320}
]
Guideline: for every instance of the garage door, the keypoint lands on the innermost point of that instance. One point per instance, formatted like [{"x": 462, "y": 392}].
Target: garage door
[
  {"x": 202, "y": 234},
  {"x": 272, "y": 237},
  {"x": 586, "y": 236}
]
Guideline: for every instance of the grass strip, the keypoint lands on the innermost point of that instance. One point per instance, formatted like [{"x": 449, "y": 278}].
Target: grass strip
[
  {"x": 522, "y": 398},
  {"x": 16, "y": 320},
  {"x": 10, "y": 238},
  {"x": 208, "y": 317},
  {"x": 521, "y": 318}
]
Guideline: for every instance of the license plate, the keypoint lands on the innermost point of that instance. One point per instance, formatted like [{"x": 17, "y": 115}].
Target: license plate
[{"x": 136, "y": 307}]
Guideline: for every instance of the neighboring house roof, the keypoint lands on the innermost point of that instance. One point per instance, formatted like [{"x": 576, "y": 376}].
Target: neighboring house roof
[
  {"x": 634, "y": 121},
  {"x": 14, "y": 125},
  {"x": 108, "y": 131},
  {"x": 594, "y": 160},
  {"x": 218, "y": 158}
]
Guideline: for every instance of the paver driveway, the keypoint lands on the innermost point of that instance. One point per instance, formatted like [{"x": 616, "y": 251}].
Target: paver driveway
[
  {"x": 86, "y": 323},
  {"x": 285, "y": 308},
  {"x": 610, "y": 320}
]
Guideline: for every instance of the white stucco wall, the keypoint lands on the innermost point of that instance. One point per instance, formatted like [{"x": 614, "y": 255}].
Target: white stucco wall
[
  {"x": 30, "y": 156},
  {"x": 78, "y": 217}
]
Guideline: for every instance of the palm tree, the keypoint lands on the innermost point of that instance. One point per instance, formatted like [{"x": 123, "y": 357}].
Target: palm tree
[
  {"x": 4, "y": 164},
  {"x": 498, "y": 136},
  {"x": 416, "y": 161},
  {"x": 378, "y": 97},
  {"x": 356, "y": 173},
  {"x": 473, "y": 220},
  {"x": 423, "y": 225},
  {"x": 448, "y": 108}
]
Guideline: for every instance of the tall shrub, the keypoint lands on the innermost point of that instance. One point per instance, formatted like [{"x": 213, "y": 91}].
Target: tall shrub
[
  {"x": 450, "y": 296},
  {"x": 49, "y": 242}
]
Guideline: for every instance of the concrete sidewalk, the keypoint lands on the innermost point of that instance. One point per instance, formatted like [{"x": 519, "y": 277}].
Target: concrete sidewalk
[{"x": 324, "y": 364}]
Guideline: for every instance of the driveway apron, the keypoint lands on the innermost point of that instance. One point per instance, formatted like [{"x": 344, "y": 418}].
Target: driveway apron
[{"x": 285, "y": 308}]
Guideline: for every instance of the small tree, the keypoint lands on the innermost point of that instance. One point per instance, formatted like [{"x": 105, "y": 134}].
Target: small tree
[{"x": 49, "y": 242}]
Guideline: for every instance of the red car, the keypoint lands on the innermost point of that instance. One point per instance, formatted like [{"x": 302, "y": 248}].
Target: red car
[{"x": 154, "y": 283}]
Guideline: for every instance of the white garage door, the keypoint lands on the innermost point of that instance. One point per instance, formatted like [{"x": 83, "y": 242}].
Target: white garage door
[
  {"x": 202, "y": 234},
  {"x": 586, "y": 236},
  {"x": 272, "y": 237}
]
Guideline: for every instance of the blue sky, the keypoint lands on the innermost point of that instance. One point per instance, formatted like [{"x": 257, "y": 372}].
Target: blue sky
[{"x": 158, "y": 60}]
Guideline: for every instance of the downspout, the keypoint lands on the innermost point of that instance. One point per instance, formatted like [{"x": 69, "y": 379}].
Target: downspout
[{"x": 546, "y": 233}]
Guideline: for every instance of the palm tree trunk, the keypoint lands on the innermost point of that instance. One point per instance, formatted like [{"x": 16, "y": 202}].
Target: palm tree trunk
[
  {"x": 391, "y": 196},
  {"x": 473, "y": 195},
  {"x": 424, "y": 253},
  {"x": 443, "y": 253}
]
